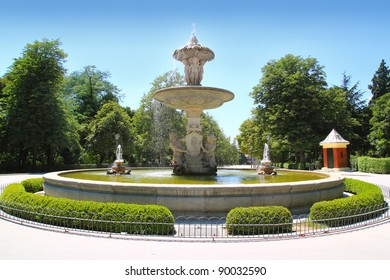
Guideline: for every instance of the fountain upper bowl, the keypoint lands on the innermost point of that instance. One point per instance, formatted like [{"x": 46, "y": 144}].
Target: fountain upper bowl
[{"x": 186, "y": 97}]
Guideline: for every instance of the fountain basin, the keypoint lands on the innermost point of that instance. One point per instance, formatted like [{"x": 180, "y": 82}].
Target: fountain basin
[
  {"x": 193, "y": 97},
  {"x": 198, "y": 199}
]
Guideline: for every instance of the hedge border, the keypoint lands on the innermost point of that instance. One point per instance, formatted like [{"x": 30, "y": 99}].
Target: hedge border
[
  {"x": 338, "y": 212},
  {"x": 259, "y": 220},
  {"x": 87, "y": 215},
  {"x": 373, "y": 165}
]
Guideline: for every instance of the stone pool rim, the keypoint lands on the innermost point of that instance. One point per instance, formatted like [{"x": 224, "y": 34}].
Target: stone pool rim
[{"x": 198, "y": 198}]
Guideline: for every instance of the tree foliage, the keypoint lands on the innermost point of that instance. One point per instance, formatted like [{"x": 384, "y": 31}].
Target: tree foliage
[
  {"x": 86, "y": 91},
  {"x": 378, "y": 113},
  {"x": 250, "y": 138},
  {"x": 380, "y": 126},
  {"x": 380, "y": 82},
  {"x": 34, "y": 106},
  {"x": 357, "y": 127},
  {"x": 226, "y": 152},
  {"x": 110, "y": 120},
  {"x": 289, "y": 99},
  {"x": 295, "y": 108},
  {"x": 3, "y": 105},
  {"x": 48, "y": 117}
]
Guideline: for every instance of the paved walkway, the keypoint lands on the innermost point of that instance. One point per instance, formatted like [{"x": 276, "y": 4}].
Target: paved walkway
[{"x": 19, "y": 242}]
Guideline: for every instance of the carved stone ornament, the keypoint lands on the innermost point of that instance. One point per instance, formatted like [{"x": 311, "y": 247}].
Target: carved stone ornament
[{"x": 193, "y": 56}]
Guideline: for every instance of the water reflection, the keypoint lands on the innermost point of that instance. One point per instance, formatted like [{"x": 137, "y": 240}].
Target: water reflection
[{"x": 224, "y": 177}]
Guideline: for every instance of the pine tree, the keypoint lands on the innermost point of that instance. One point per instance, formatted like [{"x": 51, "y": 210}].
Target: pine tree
[
  {"x": 380, "y": 82},
  {"x": 358, "y": 128}
]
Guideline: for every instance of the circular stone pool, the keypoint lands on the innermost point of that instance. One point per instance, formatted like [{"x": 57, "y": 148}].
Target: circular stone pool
[
  {"x": 224, "y": 177},
  {"x": 205, "y": 195}
]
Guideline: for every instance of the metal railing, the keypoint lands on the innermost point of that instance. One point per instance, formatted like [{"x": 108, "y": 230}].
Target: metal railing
[
  {"x": 190, "y": 228},
  {"x": 300, "y": 226}
]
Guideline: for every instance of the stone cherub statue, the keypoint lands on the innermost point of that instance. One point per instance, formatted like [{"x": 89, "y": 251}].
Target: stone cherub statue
[
  {"x": 209, "y": 151},
  {"x": 193, "y": 56},
  {"x": 178, "y": 152},
  {"x": 193, "y": 69}
]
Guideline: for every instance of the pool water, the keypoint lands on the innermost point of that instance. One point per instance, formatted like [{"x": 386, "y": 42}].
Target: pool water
[{"x": 224, "y": 177}]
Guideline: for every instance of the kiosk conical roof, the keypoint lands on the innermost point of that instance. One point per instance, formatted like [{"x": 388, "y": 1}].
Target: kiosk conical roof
[{"x": 334, "y": 137}]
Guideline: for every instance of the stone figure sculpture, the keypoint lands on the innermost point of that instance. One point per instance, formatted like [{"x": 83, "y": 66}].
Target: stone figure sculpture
[
  {"x": 178, "y": 151},
  {"x": 193, "y": 56},
  {"x": 209, "y": 151}
]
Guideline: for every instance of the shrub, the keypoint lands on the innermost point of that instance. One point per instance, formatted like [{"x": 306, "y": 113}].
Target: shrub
[
  {"x": 300, "y": 166},
  {"x": 87, "y": 215},
  {"x": 258, "y": 220},
  {"x": 344, "y": 211},
  {"x": 289, "y": 165},
  {"x": 374, "y": 165},
  {"x": 354, "y": 163},
  {"x": 33, "y": 185},
  {"x": 317, "y": 164}
]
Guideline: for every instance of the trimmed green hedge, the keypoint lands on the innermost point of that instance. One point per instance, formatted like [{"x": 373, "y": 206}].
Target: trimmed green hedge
[
  {"x": 87, "y": 215},
  {"x": 289, "y": 165},
  {"x": 354, "y": 163},
  {"x": 259, "y": 220},
  {"x": 33, "y": 185},
  {"x": 368, "y": 197},
  {"x": 374, "y": 165}
]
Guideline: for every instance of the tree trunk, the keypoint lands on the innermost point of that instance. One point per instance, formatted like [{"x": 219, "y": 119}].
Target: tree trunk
[
  {"x": 22, "y": 157},
  {"x": 300, "y": 156},
  {"x": 49, "y": 156},
  {"x": 34, "y": 158}
]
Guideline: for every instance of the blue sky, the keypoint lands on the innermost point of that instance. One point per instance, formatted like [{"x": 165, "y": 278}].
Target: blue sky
[{"x": 135, "y": 40}]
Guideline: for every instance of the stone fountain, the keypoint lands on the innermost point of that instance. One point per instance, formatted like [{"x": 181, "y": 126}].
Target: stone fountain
[
  {"x": 265, "y": 167},
  {"x": 118, "y": 167},
  {"x": 195, "y": 153}
]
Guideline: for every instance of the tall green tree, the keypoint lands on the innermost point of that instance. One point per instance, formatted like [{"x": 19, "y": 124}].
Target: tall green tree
[
  {"x": 288, "y": 100},
  {"x": 110, "y": 121},
  {"x": 380, "y": 83},
  {"x": 38, "y": 125},
  {"x": 380, "y": 87},
  {"x": 380, "y": 126},
  {"x": 3, "y": 104},
  {"x": 2, "y": 85},
  {"x": 353, "y": 94},
  {"x": 87, "y": 90},
  {"x": 250, "y": 138},
  {"x": 3, "y": 101},
  {"x": 358, "y": 117}
]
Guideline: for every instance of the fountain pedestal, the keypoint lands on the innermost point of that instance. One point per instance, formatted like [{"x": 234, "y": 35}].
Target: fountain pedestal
[{"x": 195, "y": 153}]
